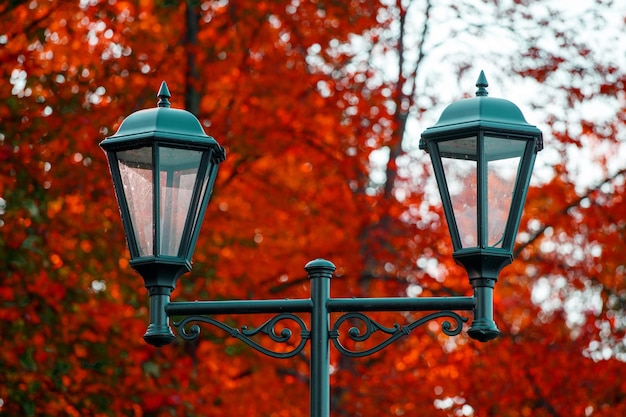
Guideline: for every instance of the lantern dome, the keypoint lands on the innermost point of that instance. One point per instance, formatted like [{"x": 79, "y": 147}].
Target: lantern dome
[
  {"x": 482, "y": 112},
  {"x": 176, "y": 126}
]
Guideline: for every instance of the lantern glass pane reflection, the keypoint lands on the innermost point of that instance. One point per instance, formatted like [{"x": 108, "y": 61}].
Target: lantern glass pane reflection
[
  {"x": 178, "y": 170},
  {"x": 503, "y": 163},
  {"x": 136, "y": 173},
  {"x": 178, "y": 173},
  {"x": 493, "y": 166}
]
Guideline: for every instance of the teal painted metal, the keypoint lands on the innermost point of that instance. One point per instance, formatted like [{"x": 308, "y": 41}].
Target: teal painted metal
[
  {"x": 481, "y": 112},
  {"x": 163, "y": 140},
  {"x": 319, "y": 306},
  {"x": 159, "y": 332},
  {"x": 175, "y": 126},
  {"x": 402, "y": 304},
  {"x": 190, "y": 331},
  {"x": 184, "y": 308},
  {"x": 320, "y": 272},
  {"x": 198, "y": 311},
  {"x": 370, "y": 326},
  {"x": 194, "y": 312},
  {"x": 483, "y": 129},
  {"x": 159, "y": 158},
  {"x": 472, "y": 137}
]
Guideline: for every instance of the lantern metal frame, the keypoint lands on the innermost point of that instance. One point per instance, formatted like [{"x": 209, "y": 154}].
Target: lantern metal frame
[
  {"x": 179, "y": 129},
  {"x": 501, "y": 121},
  {"x": 156, "y": 131}
]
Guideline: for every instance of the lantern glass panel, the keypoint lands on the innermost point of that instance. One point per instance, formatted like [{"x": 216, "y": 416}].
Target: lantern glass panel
[
  {"x": 178, "y": 170},
  {"x": 136, "y": 173},
  {"x": 491, "y": 167},
  {"x": 503, "y": 157},
  {"x": 460, "y": 166},
  {"x": 196, "y": 222}
]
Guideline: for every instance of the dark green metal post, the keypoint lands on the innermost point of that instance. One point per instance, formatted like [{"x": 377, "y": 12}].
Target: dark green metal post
[
  {"x": 320, "y": 272},
  {"x": 159, "y": 332},
  {"x": 483, "y": 267},
  {"x": 483, "y": 326}
]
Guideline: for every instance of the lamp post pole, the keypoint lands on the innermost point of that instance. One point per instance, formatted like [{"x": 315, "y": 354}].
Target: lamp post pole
[
  {"x": 319, "y": 306},
  {"x": 164, "y": 166},
  {"x": 320, "y": 272}
]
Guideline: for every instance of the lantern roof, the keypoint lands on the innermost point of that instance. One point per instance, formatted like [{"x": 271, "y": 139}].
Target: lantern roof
[
  {"x": 481, "y": 112},
  {"x": 177, "y": 126}
]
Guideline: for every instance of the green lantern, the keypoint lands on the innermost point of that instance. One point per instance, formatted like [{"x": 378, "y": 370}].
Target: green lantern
[
  {"x": 483, "y": 152},
  {"x": 163, "y": 167}
]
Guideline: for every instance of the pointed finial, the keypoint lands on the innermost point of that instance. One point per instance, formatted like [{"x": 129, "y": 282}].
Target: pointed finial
[
  {"x": 163, "y": 96},
  {"x": 482, "y": 85}
]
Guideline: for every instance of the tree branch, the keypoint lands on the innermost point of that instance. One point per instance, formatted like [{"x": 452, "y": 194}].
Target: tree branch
[{"x": 564, "y": 210}]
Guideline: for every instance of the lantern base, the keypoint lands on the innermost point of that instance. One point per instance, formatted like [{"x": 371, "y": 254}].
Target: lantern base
[
  {"x": 483, "y": 264},
  {"x": 483, "y": 330},
  {"x": 160, "y": 271},
  {"x": 483, "y": 267},
  {"x": 159, "y": 332},
  {"x": 159, "y": 335}
]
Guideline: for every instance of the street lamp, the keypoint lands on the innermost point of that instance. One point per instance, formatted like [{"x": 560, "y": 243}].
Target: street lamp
[
  {"x": 164, "y": 166},
  {"x": 483, "y": 152}
]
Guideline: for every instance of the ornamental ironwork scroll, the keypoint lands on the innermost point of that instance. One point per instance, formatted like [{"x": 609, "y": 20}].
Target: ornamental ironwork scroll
[
  {"x": 190, "y": 331},
  {"x": 395, "y": 332},
  {"x": 246, "y": 335}
]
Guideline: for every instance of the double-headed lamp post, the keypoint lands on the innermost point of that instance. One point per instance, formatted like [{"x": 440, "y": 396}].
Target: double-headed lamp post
[{"x": 164, "y": 166}]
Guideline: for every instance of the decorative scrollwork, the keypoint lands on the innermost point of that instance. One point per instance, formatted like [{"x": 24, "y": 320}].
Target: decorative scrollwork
[
  {"x": 396, "y": 331},
  {"x": 245, "y": 334}
]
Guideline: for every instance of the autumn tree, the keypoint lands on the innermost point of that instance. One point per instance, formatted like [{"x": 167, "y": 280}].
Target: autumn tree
[{"x": 320, "y": 106}]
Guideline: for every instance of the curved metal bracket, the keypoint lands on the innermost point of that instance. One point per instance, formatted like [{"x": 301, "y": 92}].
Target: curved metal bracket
[
  {"x": 245, "y": 334},
  {"x": 395, "y": 332}
]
